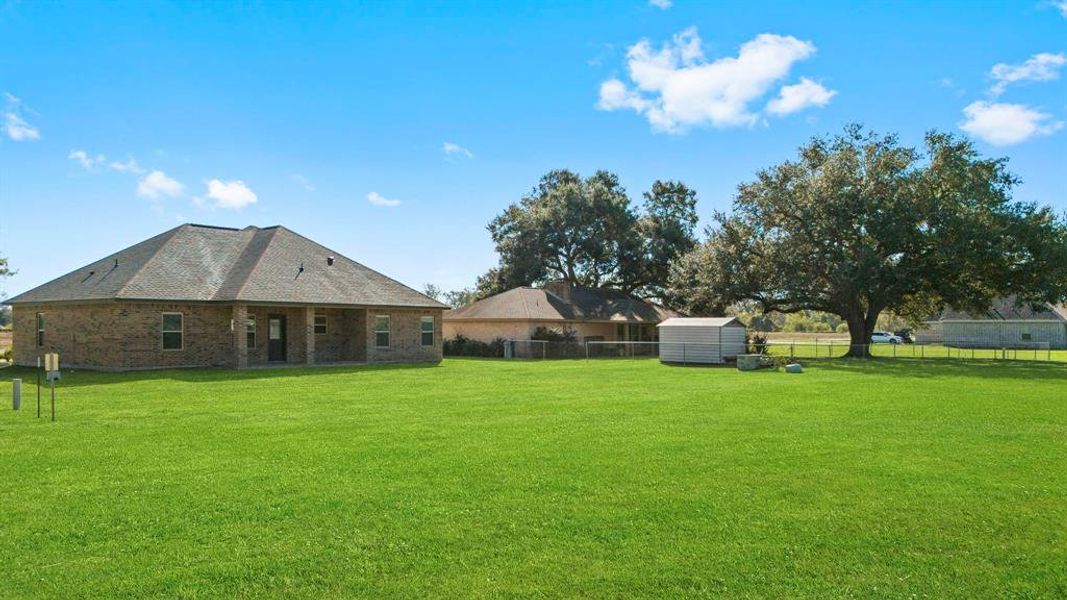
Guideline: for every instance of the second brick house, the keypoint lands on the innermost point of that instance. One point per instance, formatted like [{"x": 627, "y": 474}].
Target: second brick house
[{"x": 198, "y": 296}]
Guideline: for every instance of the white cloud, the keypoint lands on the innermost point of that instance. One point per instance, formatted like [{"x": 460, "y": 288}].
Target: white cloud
[
  {"x": 379, "y": 200},
  {"x": 130, "y": 166},
  {"x": 676, "y": 88},
  {"x": 661, "y": 4},
  {"x": 797, "y": 97},
  {"x": 451, "y": 149},
  {"x": 1044, "y": 66},
  {"x": 15, "y": 126},
  {"x": 157, "y": 185},
  {"x": 89, "y": 163},
  {"x": 230, "y": 194},
  {"x": 1004, "y": 124},
  {"x": 1061, "y": 5},
  {"x": 303, "y": 182}
]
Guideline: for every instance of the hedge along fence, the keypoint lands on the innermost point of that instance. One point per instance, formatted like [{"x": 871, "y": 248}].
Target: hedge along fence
[{"x": 462, "y": 345}]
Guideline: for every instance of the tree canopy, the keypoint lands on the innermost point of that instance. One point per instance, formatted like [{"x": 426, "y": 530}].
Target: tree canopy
[
  {"x": 586, "y": 231},
  {"x": 858, "y": 224}
]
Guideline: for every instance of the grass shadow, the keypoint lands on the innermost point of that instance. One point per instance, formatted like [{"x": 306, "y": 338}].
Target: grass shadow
[
  {"x": 942, "y": 367},
  {"x": 85, "y": 377}
]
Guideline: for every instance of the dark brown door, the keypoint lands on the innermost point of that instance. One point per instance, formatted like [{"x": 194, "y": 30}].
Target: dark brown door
[{"x": 276, "y": 338}]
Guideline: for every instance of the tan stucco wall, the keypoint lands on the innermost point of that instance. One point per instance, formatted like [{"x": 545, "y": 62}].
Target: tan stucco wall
[{"x": 487, "y": 331}]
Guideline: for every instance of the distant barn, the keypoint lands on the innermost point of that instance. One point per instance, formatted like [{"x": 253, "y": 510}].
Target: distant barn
[{"x": 701, "y": 340}]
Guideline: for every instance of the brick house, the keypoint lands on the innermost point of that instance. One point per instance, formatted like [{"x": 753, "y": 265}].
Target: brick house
[
  {"x": 202, "y": 296},
  {"x": 593, "y": 314}
]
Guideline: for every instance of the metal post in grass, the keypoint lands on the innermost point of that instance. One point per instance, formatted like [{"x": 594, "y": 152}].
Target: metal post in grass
[
  {"x": 38, "y": 387},
  {"x": 792, "y": 349},
  {"x": 16, "y": 394}
]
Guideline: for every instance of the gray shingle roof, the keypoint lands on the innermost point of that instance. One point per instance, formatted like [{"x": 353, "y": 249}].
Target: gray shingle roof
[
  {"x": 203, "y": 263},
  {"x": 702, "y": 322},
  {"x": 576, "y": 304},
  {"x": 1008, "y": 309}
]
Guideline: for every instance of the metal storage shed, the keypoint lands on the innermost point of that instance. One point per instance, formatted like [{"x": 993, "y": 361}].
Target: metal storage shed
[{"x": 701, "y": 340}]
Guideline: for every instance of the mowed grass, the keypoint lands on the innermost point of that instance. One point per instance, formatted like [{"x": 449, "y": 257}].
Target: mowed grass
[{"x": 483, "y": 478}]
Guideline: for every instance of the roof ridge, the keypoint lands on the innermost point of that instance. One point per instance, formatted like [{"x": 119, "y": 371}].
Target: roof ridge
[
  {"x": 526, "y": 305},
  {"x": 203, "y": 226},
  {"x": 355, "y": 262},
  {"x": 170, "y": 238},
  {"x": 273, "y": 233}
]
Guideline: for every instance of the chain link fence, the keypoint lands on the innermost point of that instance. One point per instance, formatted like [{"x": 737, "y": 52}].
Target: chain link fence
[{"x": 807, "y": 350}]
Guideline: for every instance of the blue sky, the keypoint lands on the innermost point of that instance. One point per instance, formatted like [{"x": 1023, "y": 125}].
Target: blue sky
[{"x": 121, "y": 120}]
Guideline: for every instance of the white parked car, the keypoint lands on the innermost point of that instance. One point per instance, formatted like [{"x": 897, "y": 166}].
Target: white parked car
[{"x": 884, "y": 337}]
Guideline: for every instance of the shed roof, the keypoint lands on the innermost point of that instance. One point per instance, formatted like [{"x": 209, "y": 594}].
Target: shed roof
[
  {"x": 562, "y": 303},
  {"x": 702, "y": 322},
  {"x": 220, "y": 264}
]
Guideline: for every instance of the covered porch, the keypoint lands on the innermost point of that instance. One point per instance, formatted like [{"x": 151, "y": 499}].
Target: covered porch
[{"x": 283, "y": 334}]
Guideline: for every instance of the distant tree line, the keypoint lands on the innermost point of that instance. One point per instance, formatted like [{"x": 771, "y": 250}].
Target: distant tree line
[{"x": 857, "y": 230}]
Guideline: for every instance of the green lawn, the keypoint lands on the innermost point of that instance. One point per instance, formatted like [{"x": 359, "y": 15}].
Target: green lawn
[{"x": 887, "y": 479}]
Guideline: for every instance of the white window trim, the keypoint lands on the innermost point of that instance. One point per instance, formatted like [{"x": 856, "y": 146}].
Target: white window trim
[
  {"x": 389, "y": 331},
  {"x": 433, "y": 331},
  {"x": 255, "y": 332},
  {"x": 325, "y": 325},
  {"x": 165, "y": 331}
]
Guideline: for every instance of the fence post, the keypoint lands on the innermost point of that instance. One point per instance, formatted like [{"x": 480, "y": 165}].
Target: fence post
[
  {"x": 683, "y": 353},
  {"x": 587, "y": 350},
  {"x": 792, "y": 349}
]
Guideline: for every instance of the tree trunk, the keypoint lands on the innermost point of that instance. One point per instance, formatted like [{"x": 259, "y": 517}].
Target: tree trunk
[
  {"x": 859, "y": 337},
  {"x": 860, "y": 328}
]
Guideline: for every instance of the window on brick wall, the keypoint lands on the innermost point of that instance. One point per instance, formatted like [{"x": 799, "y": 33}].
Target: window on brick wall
[
  {"x": 320, "y": 324},
  {"x": 381, "y": 331},
  {"x": 173, "y": 331},
  {"x": 250, "y": 331},
  {"x": 426, "y": 331},
  {"x": 40, "y": 329}
]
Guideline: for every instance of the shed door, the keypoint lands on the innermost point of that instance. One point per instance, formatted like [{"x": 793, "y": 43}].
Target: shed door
[{"x": 276, "y": 338}]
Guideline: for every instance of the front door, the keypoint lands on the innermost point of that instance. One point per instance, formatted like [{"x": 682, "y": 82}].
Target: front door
[{"x": 276, "y": 338}]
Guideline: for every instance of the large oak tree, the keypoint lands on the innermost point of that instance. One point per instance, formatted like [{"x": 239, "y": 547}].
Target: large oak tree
[
  {"x": 586, "y": 231},
  {"x": 858, "y": 224}
]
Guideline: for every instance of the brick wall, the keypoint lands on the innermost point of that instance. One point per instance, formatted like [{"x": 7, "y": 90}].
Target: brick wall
[
  {"x": 404, "y": 338},
  {"x": 128, "y": 335},
  {"x": 123, "y": 335}
]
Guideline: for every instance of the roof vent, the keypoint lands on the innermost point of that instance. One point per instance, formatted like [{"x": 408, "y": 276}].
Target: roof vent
[
  {"x": 329, "y": 261},
  {"x": 116, "y": 264}
]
